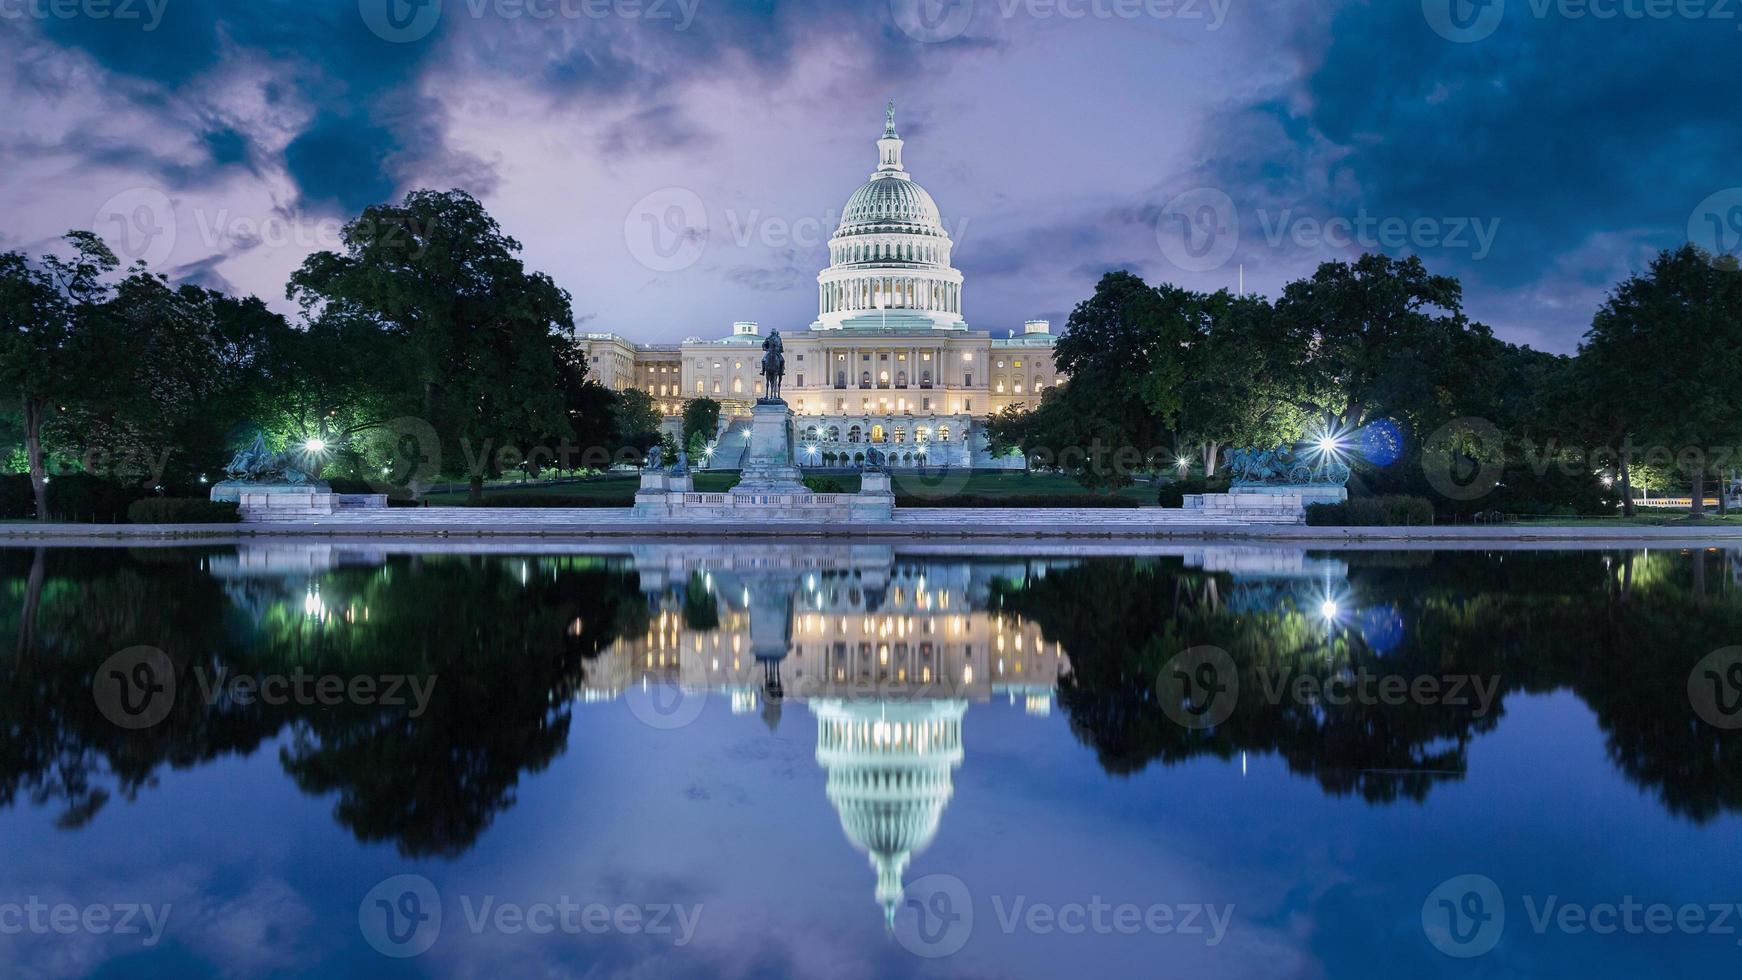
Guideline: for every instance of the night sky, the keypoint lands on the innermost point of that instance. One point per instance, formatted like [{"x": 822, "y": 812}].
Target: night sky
[{"x": 679, "y": 165}]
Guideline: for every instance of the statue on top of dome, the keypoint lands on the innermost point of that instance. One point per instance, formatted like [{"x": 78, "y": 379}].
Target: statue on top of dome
[{"x": 889, "y": 128}]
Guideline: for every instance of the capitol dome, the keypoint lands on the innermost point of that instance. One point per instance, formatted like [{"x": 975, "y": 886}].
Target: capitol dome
[
  {"x": 889, "y": 259},
  {"x": 889, "y": 768},
  {"x": 891, "y": 203}
]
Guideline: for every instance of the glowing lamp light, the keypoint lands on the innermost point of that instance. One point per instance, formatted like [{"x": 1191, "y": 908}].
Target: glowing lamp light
[
  {"x": 1329, "y": 609},
  {"x": 315, "y": 445}
]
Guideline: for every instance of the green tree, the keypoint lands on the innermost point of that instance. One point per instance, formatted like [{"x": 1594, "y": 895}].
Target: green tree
[
  {"x": 1124, "y": 350},
  {"x": 1228, "y": 395},
  {"x": 1666, "y": 350},
  {"x": 183, "y": 369},
  {"x": 479, "y": 329},
  {"x": 45, "y": 319},
  {"x": 701, "y": 417},
  {"x": 638, "y": 421},
  {"x": 1376, "y": 337}
]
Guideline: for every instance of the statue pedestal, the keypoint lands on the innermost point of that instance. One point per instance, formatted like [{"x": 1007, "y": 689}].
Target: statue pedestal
[
  {"x": 1310, "y": 493},
  {"x": 770, "y": 465},
  {"x": 270, "y": 503},
  {"x": 875, "y": 500}
]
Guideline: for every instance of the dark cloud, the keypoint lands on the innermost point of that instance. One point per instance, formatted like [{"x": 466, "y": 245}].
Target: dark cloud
[{"x": 1561, "y": 130}]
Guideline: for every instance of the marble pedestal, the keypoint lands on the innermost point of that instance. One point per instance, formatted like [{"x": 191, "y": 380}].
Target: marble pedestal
[
  {"x": 771, "y": 463},
  {"x": 771, "y": 488}
]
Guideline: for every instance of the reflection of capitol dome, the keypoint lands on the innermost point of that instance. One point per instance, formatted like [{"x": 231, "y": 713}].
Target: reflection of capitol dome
[
  {"x": 889, "y": 766},
  {"x": 889, "y": 260}
]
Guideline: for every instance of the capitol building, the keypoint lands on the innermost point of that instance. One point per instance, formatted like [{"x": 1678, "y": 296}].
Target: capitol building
[{"x": 890, "y": 361}]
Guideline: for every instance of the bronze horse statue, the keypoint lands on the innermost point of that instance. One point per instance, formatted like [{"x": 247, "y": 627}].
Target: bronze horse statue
[{"x": 773, "y": 366}]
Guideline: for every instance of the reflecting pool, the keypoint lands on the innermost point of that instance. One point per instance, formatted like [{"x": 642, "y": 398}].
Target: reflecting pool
[{"x": 757, "y": 760}]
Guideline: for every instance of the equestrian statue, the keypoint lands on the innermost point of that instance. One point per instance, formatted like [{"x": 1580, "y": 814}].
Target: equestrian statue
[{"x": 773, "y": 366}]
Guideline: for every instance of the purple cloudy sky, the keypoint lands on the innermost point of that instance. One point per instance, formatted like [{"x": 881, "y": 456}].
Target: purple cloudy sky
[{"x": 678, "y": 165}]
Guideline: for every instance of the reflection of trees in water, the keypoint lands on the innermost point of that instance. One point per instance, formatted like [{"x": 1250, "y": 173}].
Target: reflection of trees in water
[
  {"x": 504, "y": 638},
  {"x": 1620, "y": 631}
]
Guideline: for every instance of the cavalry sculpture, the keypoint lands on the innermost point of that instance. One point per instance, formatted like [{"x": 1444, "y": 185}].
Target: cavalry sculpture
[
  {"x": 259, "y": 465},
  {"x": 773, "y": 366},
  {"x": 1284, "y": 466}
]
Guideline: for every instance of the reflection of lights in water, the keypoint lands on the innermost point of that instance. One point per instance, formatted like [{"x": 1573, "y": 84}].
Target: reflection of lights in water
[{"x": 312, "y": 604}]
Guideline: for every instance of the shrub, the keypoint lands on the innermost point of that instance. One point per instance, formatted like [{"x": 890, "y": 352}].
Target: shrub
[
  {"x": 83, "y": 497},
  {"x": 823, "y": 484},
  {"x": 182, "y": 510},
  {"x": 1054, "y": 500},
  {"x": 1396, "y": 510},
  {"x": 17, "y": 499}
]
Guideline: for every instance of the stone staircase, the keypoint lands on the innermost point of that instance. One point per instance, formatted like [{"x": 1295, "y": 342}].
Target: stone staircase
[{"x": 732, "y": 445}]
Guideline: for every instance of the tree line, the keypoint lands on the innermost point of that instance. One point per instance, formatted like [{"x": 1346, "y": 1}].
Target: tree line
[
  {"x": 424, "y": 348},
  {"x": 1378, "y": 356}
]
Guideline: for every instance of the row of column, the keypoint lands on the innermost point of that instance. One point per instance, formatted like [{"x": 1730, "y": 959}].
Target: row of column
[
  {"x": 898, "y": 292},
  {"x": 915, "y": 368}
]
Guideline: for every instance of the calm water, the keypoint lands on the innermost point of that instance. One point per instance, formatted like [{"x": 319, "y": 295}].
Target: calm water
[{"x": 757, "y": 761}]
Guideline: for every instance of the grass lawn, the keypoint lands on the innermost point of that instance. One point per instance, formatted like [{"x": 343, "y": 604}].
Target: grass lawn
[{"x": 623, "y": 487}]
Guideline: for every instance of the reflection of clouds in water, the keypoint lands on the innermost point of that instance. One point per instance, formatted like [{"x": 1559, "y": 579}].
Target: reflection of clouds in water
[{"x": 250, "y": 934}]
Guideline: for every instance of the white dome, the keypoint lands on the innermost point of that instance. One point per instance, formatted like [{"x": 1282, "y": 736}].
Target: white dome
[
  {"x": 891, "y": 204},
  {"x": 889, "y": 259}
]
